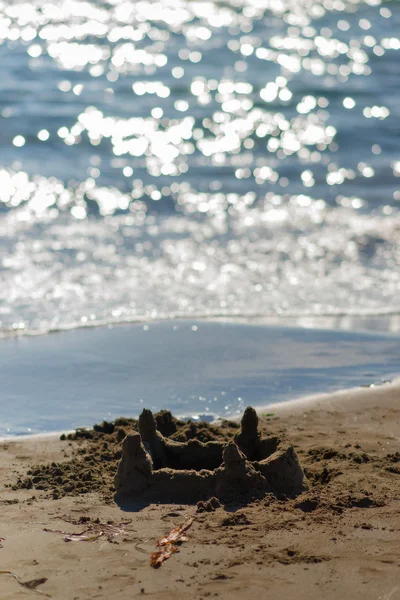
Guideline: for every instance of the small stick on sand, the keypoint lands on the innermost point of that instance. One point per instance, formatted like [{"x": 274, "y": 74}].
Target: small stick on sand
[{"x": 168, "y": 545}]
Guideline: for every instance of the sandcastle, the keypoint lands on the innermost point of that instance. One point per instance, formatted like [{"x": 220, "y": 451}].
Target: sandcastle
[{"x": 154, "y": 468}]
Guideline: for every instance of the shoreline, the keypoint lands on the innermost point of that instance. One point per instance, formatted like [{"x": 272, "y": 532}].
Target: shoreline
[
  {"x": 340, "y": 539},
  {"x": 364, "y": 394},
  {"x": 79, "y": 377},
  {"x": 373, "y": 322},
  {"x": 305, "y": 403}
]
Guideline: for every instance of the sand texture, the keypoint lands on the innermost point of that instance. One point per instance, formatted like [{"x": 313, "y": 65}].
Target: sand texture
[{"x": 338, "y": 539}]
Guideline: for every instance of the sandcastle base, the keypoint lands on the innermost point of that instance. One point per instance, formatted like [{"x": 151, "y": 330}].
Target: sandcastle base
[{"x": 154, "y": 468}]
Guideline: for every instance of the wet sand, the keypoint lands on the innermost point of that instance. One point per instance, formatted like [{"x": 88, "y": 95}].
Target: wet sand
[{"x": 339, "y": 539}]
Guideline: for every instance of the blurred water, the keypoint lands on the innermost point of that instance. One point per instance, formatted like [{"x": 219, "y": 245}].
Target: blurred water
[{"x": 198, "y": 159}]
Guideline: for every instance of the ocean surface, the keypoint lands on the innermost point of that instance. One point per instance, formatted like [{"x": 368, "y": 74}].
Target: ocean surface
[
  {"x": 193, "y": 159},
  {"x": 196, "y": 369}
]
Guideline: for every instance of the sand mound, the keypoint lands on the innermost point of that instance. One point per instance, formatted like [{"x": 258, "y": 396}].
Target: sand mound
[
  {"x": 91, "y": 456},
  {"x": 154, "y": 467},
  {"x": 164, "y": 459}
]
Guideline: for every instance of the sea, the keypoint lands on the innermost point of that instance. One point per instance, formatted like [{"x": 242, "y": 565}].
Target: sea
[{"x": 197, "y": 160}]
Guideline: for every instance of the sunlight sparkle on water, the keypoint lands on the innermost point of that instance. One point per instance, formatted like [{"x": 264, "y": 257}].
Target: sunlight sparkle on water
[{"x": 188, "y": 152}]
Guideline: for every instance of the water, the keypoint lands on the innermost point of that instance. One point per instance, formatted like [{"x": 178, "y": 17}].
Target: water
[
  {"x": 196, "y": 369},
  {"x": 183, "y": 158}
]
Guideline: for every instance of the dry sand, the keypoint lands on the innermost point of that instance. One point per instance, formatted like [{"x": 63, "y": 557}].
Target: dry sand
[{"x": 340, "y": 539}]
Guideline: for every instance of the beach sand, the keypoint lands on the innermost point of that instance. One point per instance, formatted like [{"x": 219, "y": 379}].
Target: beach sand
[{"x": 340, "y": 539}]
